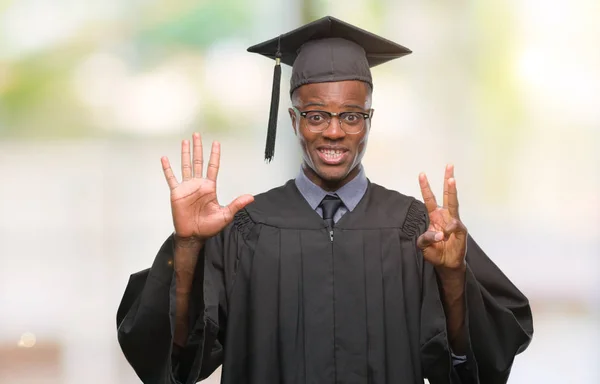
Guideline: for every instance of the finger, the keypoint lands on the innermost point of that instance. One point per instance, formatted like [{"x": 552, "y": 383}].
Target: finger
[
  {"x": 213, "y": 163},
  {"x": 452, "y": 198},
  {"x": 428, "y": 197},
  {"x": 186, "y": 163},
  {"x": 198, "y": 156},
  {"x": 448, "y": 174},
  {"x": 428, "y": 238},
  {"x": 235, "y": 206},
  {"x": 169, "y": 176},
  {"x": 454, "y": 226}
]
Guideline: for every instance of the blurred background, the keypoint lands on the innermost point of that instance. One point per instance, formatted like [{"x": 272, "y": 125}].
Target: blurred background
[{"x": 93, "y": 93}]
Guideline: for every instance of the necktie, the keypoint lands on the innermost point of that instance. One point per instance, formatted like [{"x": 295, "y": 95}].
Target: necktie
[{"x": 330, "y": 205}]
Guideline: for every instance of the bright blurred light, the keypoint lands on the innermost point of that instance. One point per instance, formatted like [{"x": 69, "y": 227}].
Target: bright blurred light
[
  {"x": 160, "y": 101},
  {"x": 27, "y": 26},
  {"x": 240, "y": 81},
  {"x": 396, "y": 112},
  {"x": 556, "y": 66},
  {"x": 27, "y": 340},
  {"x": 98, "y": 78},
  {"x": 30, "y": 25},
  {"x": 560, "y": 81}
]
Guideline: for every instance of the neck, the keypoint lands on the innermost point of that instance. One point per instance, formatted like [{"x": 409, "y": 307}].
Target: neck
[{"x": 329, "y": 185}]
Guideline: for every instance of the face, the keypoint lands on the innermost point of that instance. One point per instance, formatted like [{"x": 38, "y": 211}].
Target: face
[{"x": 331, "y": 157}]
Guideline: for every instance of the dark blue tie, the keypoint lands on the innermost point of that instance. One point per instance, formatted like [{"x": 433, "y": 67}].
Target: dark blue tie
[{"x": 330, "y": 204}]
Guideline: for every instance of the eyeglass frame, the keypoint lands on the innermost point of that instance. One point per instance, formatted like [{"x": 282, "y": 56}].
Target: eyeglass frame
[{"x": 366, "y": 116}]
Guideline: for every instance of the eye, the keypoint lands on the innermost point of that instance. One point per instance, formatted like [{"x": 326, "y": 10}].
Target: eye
[
  {"x": 315, "y": 117},
  {"x": 352, "y": 118}
]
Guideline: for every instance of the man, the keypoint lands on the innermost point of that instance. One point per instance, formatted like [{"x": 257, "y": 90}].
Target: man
[{"x": 329, "y": 278}]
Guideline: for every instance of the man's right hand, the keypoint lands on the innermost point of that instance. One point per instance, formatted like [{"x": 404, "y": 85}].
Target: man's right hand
[{"x": 197, "y": 215}]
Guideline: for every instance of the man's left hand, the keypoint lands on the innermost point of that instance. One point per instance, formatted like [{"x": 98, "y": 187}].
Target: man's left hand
[{"x": 445, "y": 241}]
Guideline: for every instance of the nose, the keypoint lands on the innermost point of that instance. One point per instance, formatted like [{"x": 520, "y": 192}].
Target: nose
[{"x": 334, "y": 131}]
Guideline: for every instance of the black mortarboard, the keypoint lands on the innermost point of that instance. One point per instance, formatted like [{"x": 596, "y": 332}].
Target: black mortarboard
[{"x": 325, "y": 50}]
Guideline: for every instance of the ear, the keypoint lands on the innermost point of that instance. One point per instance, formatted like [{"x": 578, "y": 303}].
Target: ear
[{"x": 293, "y": 118}]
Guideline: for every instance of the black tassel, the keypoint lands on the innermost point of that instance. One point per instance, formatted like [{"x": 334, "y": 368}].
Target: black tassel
[{"x": 272, "y": 130}]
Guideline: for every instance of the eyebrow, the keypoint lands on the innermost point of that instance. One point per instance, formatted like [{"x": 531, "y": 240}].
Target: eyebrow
[
  {"x": 353, "y": 106},
  {"x": 314, "y": 104}
]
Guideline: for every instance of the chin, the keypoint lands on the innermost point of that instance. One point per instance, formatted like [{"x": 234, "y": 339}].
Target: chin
[{"x": 332, "y": 173}]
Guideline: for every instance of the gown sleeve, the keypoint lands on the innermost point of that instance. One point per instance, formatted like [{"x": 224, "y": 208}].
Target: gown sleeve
[
  {"x": 498, "y": 318},
  {"x": 146, "y": 314}
]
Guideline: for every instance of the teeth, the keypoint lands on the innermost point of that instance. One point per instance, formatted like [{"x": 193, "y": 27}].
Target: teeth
[{"x": 331, "y": 153}]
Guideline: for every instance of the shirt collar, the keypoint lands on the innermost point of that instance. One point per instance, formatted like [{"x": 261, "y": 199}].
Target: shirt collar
[{"x": 350, "y": 194}]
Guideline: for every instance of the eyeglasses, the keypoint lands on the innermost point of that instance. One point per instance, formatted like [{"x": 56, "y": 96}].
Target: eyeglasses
[{"x": 350, "y": 122}]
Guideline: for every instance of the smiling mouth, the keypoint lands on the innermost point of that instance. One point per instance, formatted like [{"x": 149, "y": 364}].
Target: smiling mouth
[{"x": 332, "y": 155}]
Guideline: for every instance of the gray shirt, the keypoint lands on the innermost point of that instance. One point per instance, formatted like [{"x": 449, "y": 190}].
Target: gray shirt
[{"x": 350, "y": 194}]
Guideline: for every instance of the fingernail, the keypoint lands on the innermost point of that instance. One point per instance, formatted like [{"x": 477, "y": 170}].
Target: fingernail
[{"x": 439, "y": 236}]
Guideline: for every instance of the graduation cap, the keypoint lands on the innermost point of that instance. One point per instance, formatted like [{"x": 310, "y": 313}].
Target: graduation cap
[{"x": 325, "y": 50}]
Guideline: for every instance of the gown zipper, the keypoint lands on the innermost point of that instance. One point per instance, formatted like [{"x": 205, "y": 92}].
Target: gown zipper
[{"x": 334, "y": 335}]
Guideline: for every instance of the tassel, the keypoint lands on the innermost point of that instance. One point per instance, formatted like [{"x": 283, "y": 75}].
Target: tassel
[{"x": 272, "y": 130}]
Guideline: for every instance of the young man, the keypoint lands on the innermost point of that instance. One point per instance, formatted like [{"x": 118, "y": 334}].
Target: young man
[{"x": 329, "y": 278}]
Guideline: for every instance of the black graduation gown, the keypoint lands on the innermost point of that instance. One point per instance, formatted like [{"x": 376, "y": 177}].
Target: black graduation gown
[{"x": 276, "y": 301}]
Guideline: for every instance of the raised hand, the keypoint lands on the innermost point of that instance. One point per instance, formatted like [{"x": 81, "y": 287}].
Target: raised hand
[
  {"x": 445, "y": 241},
  {"x": 196, "y": 212}
]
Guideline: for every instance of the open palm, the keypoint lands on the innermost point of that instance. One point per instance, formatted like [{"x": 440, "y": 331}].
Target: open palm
[{"x": 194, "y": 205}]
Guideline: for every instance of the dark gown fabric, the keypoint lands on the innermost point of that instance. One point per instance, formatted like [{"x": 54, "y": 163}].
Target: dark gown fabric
[{"x": 276, "y": 301}]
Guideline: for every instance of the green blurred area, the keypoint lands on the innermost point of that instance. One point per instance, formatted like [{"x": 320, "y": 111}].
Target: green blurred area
[
  {"x": 195, "y": 25},
  {"x": 36, "y": 93},
  {"x": 37, "y": 96},
  {"x": 38, "y": 99},
  {"x": 498, "y": 102}
]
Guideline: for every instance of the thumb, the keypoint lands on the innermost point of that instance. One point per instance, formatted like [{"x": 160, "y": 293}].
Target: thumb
[
  {"x": 236, "y": 205},
  {"x": 428, "y": 238}
]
